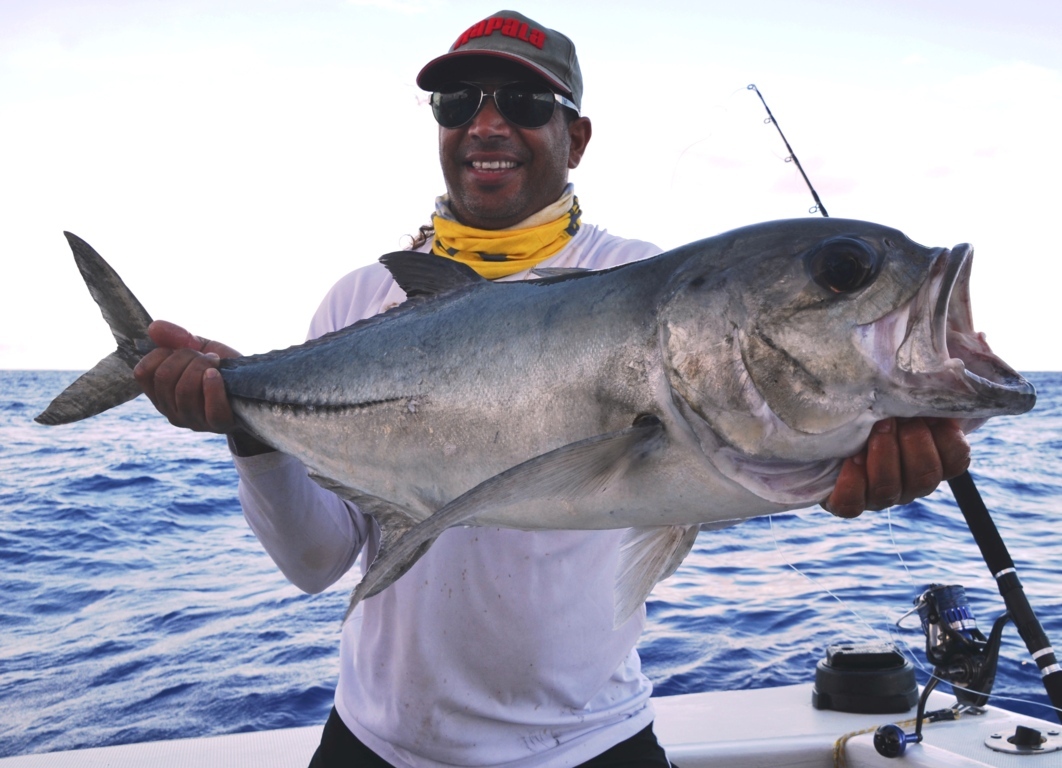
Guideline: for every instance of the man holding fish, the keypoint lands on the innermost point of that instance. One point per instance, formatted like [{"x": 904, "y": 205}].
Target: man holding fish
[{"x": 494, "y": 648}]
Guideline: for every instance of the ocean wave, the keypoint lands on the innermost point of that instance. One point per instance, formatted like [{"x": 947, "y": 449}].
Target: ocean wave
[{"x": 136, "y": 605}]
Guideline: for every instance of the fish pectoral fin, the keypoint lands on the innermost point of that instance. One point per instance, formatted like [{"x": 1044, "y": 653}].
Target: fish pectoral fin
[
  {"x": 648, "y": 556},
  {"x": 108, "y": 384},
  {"x": 572, "y": 471}
]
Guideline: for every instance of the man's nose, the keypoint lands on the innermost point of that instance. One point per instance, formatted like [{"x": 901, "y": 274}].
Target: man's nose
[{"x": 488, "y": 122}]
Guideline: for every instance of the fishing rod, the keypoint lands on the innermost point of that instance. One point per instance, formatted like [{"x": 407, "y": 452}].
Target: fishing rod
[
  {"x": 986, "y": 535},
  {"x": 818, "y": 207}
]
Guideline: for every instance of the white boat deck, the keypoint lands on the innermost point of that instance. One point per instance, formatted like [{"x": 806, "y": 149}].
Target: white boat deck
[{"x": 765, "y": 728}]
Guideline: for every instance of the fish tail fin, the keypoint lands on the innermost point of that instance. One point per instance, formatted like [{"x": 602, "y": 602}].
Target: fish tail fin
[{"x": 110, "y": 382}]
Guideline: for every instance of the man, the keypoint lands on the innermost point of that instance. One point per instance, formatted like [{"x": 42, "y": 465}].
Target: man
[{"x": 497, "y": 647}]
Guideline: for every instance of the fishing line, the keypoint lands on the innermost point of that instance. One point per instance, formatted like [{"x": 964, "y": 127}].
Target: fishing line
[
  {"x": 778, "y": 548},
  {"x": 912, "y": 653},
  {"x": 896, "y": 547},
  {"x": 899, "y": 641},
  {"x": 717, "y": 119}
]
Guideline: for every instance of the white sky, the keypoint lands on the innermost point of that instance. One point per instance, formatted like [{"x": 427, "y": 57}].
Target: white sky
[{"x": 233, "y": 159}]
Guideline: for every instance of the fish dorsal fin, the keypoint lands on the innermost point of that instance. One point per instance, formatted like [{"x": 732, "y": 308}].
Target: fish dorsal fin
[{"x": 426, "y": 274}]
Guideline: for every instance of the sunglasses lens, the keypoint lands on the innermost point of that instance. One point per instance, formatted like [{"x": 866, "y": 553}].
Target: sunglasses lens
[
  {"x": 455, "y": 108},
  {"x": 526, "y": 108}
]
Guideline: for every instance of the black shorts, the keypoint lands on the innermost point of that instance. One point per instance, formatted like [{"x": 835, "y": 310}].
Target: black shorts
[{"x": 340, "y": 748}]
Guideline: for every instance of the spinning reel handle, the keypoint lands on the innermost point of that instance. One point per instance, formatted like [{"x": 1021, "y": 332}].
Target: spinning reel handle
[{"x": 891, "y": 741}]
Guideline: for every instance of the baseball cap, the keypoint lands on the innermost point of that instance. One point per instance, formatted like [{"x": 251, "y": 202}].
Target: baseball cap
[{"x": 512, "y": 36}]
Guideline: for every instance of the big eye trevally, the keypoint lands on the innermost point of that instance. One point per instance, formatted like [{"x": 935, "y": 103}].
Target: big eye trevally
[{"x": 724, "y": 379}]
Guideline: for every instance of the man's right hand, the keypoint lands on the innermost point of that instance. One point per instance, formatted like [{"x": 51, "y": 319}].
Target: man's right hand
[{"x": 181, "y": 378}]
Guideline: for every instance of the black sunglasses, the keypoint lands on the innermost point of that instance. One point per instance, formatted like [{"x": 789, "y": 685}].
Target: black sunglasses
[{"x": 522, "y": 104}]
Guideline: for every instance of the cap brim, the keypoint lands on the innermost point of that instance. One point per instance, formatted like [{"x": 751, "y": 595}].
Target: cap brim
[{"x": 456, "y": 66}]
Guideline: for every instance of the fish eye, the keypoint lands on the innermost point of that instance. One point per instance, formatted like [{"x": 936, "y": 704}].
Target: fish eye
[{"x": 843, "y": 264}]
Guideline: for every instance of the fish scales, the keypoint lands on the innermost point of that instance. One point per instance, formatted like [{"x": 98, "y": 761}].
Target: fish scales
[
  {"x": 725, "y": 379},
  {"x": 510, "y": 392}
]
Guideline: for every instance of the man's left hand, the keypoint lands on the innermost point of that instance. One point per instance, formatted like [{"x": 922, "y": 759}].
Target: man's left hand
[{"x": 903, "y": 460}]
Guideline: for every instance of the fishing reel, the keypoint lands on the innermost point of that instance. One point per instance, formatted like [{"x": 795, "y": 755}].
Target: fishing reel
[{"x": 960, "y": 655}]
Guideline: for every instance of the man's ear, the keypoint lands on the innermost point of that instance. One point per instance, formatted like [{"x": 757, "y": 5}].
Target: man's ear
[{"x": 579, "y": 132}]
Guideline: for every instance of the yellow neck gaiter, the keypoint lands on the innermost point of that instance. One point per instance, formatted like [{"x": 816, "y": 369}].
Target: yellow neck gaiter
[{"x": 502, "y": 252}]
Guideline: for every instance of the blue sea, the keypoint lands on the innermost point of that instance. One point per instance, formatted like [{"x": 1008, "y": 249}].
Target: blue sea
[{"x": 136, "y": 605}]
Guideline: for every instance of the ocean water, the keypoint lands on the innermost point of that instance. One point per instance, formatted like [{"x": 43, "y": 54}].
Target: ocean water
[{"x": 136, "y": 605}]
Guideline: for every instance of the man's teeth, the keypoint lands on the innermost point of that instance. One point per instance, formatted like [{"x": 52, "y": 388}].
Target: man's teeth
[{"x": 493, "y": 165}]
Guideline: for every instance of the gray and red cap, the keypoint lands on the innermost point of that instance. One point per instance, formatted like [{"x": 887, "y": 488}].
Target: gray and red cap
[{"x": 514, "y": 37}]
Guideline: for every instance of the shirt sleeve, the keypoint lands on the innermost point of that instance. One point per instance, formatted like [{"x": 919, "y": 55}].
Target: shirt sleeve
[{"x": 311, "y": 534}]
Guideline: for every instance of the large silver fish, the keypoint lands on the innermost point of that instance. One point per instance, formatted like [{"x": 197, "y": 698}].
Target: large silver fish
[{"x": 722, "y": 380}]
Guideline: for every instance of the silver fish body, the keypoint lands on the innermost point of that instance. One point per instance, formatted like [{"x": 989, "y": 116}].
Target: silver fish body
[{"x": 725, "y": 379}]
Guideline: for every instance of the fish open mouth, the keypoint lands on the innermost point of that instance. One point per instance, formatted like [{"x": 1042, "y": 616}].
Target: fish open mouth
[{"x": 944, "y": 351}]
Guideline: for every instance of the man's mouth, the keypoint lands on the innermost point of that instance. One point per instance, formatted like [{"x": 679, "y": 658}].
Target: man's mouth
[{"x": 493, "y": 165}]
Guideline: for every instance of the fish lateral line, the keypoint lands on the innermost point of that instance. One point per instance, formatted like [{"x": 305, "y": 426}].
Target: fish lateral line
[{"x": 325, "y": 408}]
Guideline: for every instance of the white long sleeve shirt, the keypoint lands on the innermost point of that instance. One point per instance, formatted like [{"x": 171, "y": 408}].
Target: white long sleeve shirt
[{"x": 497, "y": 647}]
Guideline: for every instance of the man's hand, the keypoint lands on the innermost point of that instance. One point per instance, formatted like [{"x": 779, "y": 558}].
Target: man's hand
[
  {"x": 903, "y": 460},
  {"x": 181, "y": 378}
]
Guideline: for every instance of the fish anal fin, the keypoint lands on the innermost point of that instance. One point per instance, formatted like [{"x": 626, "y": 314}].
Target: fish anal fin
[
  {"x": 647, "y": 557},
  {"x": 394, "y": 558},
  {"x": 394, "y": 524},
  {"x": 393, "y": 571},
  {"x": 393, "y": 520}
]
